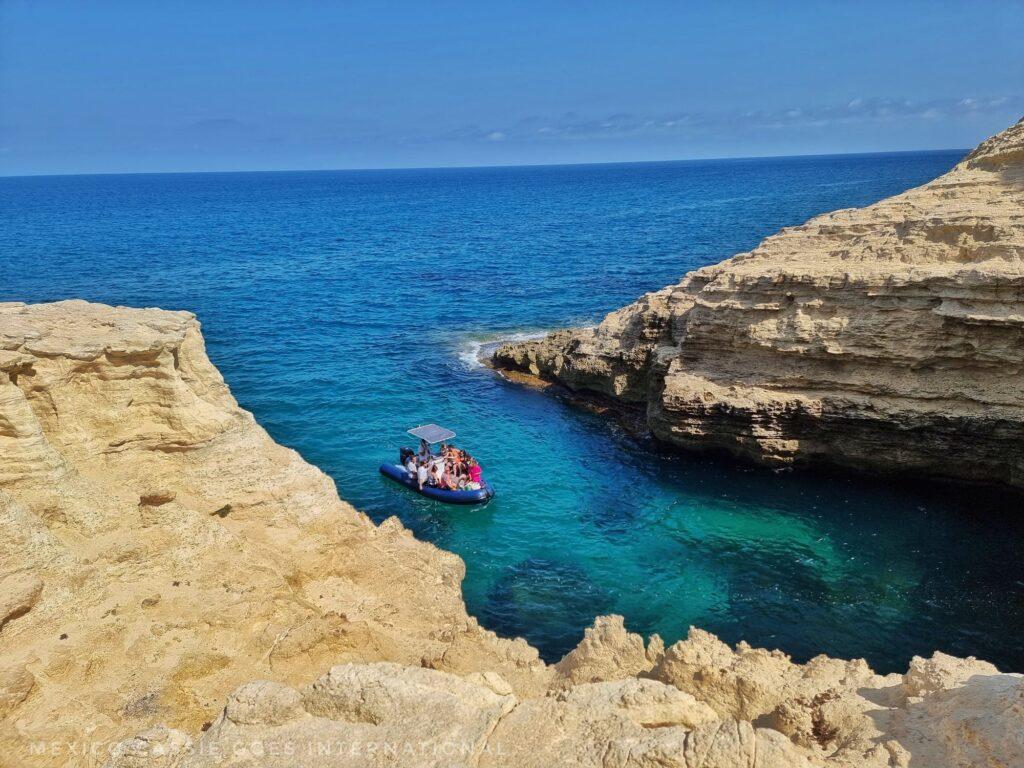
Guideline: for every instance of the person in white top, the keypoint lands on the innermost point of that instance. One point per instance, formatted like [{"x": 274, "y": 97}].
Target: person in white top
[
  {"x": 422, "y": 475},
  {"x": 424, "y": 455}
]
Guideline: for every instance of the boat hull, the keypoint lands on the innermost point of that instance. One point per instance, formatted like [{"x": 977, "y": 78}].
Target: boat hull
[{"x": 399, "y": 475}]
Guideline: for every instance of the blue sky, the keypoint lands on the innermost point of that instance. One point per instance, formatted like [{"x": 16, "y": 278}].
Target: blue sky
[{"x": 213, "y": 85}]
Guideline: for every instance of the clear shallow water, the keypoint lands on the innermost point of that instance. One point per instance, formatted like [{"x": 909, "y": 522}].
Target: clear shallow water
[{"x": 343, "y": 307}]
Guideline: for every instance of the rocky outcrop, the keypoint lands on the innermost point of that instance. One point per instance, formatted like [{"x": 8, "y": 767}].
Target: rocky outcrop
[
  {"x": 755, "y": 708},
  {"x": 887, "y": 338},
  {"x": 158, "y": 549},
  {"x": 608, "y": 652},
  {"x": 173, "y": 586}
]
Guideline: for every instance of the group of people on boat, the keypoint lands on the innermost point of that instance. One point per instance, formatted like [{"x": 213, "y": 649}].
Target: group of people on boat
[{"x": 450, "y": 468}]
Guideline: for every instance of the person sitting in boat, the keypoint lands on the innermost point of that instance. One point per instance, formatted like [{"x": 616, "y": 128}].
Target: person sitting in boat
[
  {"x": 422, "y": 473},
  {"x": 437, "y": 474},
  {"x": 462, "y": 472},
  {"x": 424, "y": 455},
  {"x": 476, "y": 474},
  {"x": 409, "y": 461},
  {"x": 449, "y": 479}
]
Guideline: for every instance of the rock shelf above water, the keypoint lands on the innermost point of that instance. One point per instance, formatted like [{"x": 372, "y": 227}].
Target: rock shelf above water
[{"x": 886, "y": 338}]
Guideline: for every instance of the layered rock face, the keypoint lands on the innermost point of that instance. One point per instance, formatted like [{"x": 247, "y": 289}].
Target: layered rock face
[
  {"x": 176, "y": 590},
  {"x": 158, "y": 549},
  {"x": 884, "y": 338}
]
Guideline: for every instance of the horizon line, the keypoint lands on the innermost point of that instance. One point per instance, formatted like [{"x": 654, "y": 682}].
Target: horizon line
[{"x": 378, "y": 169}]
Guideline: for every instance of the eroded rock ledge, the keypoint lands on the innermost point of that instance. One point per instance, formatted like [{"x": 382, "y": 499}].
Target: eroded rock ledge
[
  {"x": 698, "y": 704},
  {"x": 176, "y": 590},
  {"x": 886, "y": 338}
]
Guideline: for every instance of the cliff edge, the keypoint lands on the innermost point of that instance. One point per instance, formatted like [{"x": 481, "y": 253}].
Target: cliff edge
[
  {"x": 158, "y": 549},
  {"x": 885, "y": 338},
  {"x": 178, "y": 591}
]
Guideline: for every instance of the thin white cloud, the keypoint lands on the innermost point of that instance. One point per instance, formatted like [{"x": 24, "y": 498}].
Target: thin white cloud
[{"x": 862, "y": 109}]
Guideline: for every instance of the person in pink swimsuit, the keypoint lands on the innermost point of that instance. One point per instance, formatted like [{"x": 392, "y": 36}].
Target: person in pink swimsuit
[{"x": 475, "y": 473}]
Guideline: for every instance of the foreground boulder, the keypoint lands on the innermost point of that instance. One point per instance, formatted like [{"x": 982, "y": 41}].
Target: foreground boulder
[{"x": 886, "y": 338}]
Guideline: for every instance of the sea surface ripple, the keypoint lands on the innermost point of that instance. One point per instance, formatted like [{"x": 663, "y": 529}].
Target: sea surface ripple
[{"x": 345, "y": 307}]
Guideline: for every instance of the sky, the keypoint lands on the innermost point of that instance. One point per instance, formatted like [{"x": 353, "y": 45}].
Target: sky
[{"x": 147, "y": 86}]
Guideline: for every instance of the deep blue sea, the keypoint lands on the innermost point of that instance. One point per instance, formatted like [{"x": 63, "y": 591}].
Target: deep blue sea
[{"x": 345, "y": 307}]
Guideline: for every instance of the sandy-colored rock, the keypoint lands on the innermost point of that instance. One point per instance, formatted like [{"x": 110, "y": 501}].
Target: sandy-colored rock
[
  {"x": 158, "y": 552},
  {"x": 749, "y": 683},
  {"x": 608, "y": 652},
  {"x": 15, "y": 684},
  {"x": 18, "y": 593},
  {"x": 886, "y": 338},
  {"x": 358, "y": 715},
  {"x": 743, "y": 684},
  {"x": 540, "y": 734},
  {"x": 830, "y": 714},
  {"x": 840, "y": 725},
  {"x": 157, "y": 747},
  {"x": 158, "y": 549},
  {"x": 941, "y": 673},
  {"x": 978, "y": 723},
  {"x": 388, "y": 715},
  {"x": 263, "y": 702},
  {"x": 387, "y": 692},
  {"x": 646, "y": 702}
]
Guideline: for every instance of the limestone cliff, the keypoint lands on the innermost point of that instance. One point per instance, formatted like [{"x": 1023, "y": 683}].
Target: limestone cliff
[
  {"x": 178, "y": 591},
  {"x": 884, "y": 338},
  {"x": 158, "y": 549}
]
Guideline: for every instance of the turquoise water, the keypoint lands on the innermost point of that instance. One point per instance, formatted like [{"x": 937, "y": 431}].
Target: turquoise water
[{"x": 343, "y": 307}]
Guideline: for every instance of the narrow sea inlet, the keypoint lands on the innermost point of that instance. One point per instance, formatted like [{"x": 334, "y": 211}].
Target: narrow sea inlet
[{"x": 344, "y": 307}]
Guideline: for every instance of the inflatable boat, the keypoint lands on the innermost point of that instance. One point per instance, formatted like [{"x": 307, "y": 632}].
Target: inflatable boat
[
  {"x": 400, "y": 475},
  {"x": 433, "y": 434}
]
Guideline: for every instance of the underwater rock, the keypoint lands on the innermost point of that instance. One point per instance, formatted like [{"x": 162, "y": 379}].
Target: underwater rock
[{"x": 537, "y": 587}]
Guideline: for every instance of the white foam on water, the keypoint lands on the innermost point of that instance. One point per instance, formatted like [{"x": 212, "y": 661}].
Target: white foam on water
[{"x": 472, "y": 351}]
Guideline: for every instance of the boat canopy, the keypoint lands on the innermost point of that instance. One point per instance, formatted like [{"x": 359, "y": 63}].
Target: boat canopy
[{"x": 432, "y": 433}]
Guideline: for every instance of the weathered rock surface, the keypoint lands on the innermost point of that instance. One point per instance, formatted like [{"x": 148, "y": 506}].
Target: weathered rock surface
[
  {"x": 884, "y": 338},
  {"x": 608, "y": 652},
  {"x": 649, "y": 703},
  {"x": 158, "y": 549},
  {"x": 388, "y": 715},
  {"x": 167, "y": 571},
  {"x": 18, "y": 593}
]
